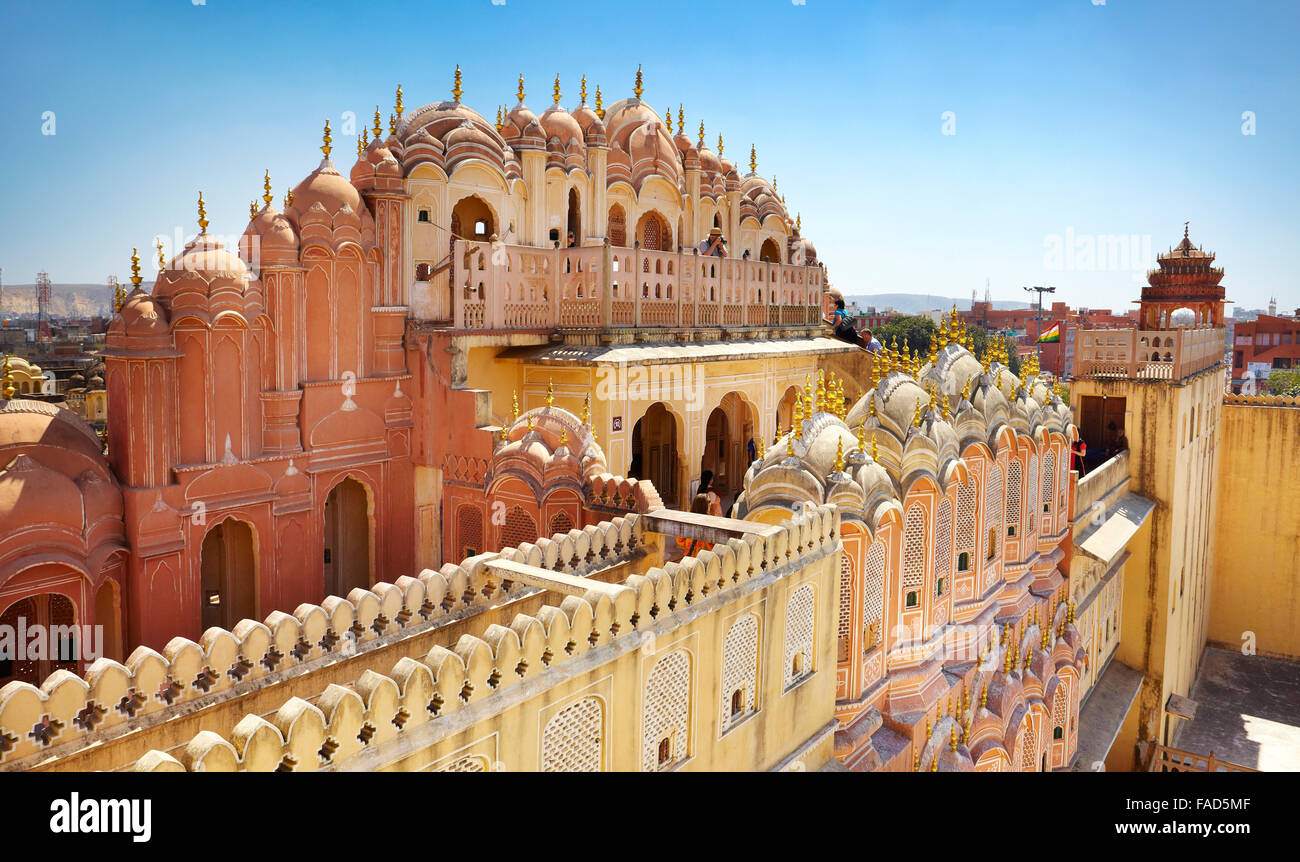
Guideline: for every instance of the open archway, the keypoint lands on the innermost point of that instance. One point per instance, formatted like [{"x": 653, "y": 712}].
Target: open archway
[
  {"x": 769, "y": 252},
  {"x": 729, "y": 430},
  {"x": 654, "y": 452},
  {"x": 347, "y": 538},
  {"x": 785, "y": 409},
  {"x": 472, "y": 219},
  {"x": 228, "y": 565},
  {"x": 108, "y": 615},
  {"x": 36, "y": 658},
  {"x": 574, "y": 219}
]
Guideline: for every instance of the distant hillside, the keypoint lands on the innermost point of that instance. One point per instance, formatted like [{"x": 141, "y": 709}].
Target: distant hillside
[
  {"x": 914, "y": 303},
  {"x": 66, "y": 300}
]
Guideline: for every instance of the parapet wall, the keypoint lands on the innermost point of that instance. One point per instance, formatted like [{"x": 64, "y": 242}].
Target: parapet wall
[
  {"x": 429, "y": 699},
  {"x": 1256, "y": 581}
]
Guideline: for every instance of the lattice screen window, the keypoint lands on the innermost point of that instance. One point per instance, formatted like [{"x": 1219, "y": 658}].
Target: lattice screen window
[
  {"x": 1064, "y": 473},
  {"x": 1013, "y": 497},
  {"x": 739, "y": 671},
  {"x": 800, "y": 633},
  {"x": 667, "y": 711},
  {"x": 943, "y": 548},
  {"x": 469, "y": 530},
  {"x": 617, "y": 227},
  {"x": 467, "y": 764},
  {"x": 1031, "y": 493},
  {"x": 873, "y": 593},
  {"x": 1049, "y": 481},
  {"x": 1060, "y": 712},
  {"x": 519, "y": 528},
  {"x": 571, "y": 740},
  {"x": 993, "y": 517},
  {"x": 914, "y": 549},
  {"x": 967, "y": 497},
  {"x": 846, "y": 605},
  {"x": 560, "y": 523},
  {"x": 1029, "y": 758}
]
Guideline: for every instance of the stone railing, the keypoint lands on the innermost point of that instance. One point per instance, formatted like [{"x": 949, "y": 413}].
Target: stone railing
[
  {"x": 1158, "y": 354},
  {"x": 1168, "y": 759},
  {"x": 1262, "y": 400},
  {"x": 498, "y": 286},
  {"x": 1099, "y": 482}
]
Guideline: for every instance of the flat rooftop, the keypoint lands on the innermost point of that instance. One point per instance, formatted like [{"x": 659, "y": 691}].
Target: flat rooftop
[{"x": 1247, "y": 711}]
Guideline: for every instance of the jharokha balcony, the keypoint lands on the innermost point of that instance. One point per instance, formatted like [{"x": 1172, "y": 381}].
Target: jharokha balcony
[
  {"x": 495, "y": 286},
  {"x": 1160, "y": 354}
]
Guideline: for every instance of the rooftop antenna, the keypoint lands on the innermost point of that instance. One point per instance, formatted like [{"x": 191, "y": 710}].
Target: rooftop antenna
[
  {"x": 986, "y": 290},
  {"x": 42, "y": 306}
]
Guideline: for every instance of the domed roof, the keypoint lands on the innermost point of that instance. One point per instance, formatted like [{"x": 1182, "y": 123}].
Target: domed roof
[
  {"x": 327, "y": 187},
  {"x": 273, "y": 231},
  {"x": 625, "y": 116},
  {"x": 709, "y": 161},
  {"x": 32, "y": 495},
  {"x": 207, "y": 256},
  {"x": 548, "y": 442},
  {"x": 559, "y": 123},
  {"x": 25, "y": 424},
  {"x": 141, "y": 317}
]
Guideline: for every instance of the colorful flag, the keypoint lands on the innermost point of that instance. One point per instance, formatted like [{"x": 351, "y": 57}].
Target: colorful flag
[{"x": 1051, "y": 336}]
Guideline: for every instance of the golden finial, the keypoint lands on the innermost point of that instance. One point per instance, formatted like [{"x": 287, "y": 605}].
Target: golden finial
[
  {"x": 681, "y": 119},
  {"x": 550, "y": 394},
  {"x": 753, "y": 159},
  {"x": 392, "y": 124},
  {"x": 839, "y": 455},
  {"x": 668, "y": 119},
  {"x": 934, "y": 766},
  {"x": 1047, "y": 635},
  {"x": 762, "y": 450},
  {"x": 8, "y": 381},
  {"x": 252, "y": 209},
  {"x": 500, "y": 118},
  {"x": 379, "y": 130},
  {"x": 325, "y": 147},
  {"x": 719, "y": 144},
  {"x": 916, "y": 418},
  {"x": 161, "y": 264},
  {"x": 398, "y": 107},
  {"x": 514, "y": 398},
  {"x": 1007, "y": 659},
  {"x": 600, "y": 111},
  {"x": 504, "y": 436},
  {"x": 946, "y": 415},
  {"x": 798, "y": 221},
  {"x": 266, "y": 188},
  {"x": 875, "y": 453},
  {"x": 288, "y": 199},
  {"x": 520, "y": 92},
  {"x": 582, "y": 91},
  {"x": 916, "y": 759},
  {"x": 789, "y": 444},
  {"x": 1069, "y": 612},
  {"x": 700, "y": 145},
  {"x": 965, "y": 391},
  {"x": 564, "y": 437},
  {"x": 862, "y": 436},
  {"x": 797, "y": 420},
  {"x": 984, "y": 696},
  {"x": 928, "y": 727},
  {"x": 638, "y": 89},
  {"x": 556, "y": 90},
  {"x": 456, "y": 90},
  {"x": 530, "y": 423},
  {"x": 954, "y": 737},
  {"x": 586, "y": 410}
]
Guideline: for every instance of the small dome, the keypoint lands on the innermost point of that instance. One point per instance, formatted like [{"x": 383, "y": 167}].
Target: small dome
[
  {"x": 33, "y": 495},
  {"x": 559, "y": 123},
  {"x": 207, "y": 256},
  {"x": 141, "y": 317},
  {"x": 327, "y": 187},
  {"x": 273, "y": 233}
]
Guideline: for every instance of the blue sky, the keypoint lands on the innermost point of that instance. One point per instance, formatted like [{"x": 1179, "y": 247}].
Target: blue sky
[{"x": 1075, "y": 123}]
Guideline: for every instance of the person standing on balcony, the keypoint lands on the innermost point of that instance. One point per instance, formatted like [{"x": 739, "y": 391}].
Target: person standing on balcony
[
  {"x": 714, "y": 244},
  {"x": 871, "y": 342},
  {"x": 573, "y": 242}
]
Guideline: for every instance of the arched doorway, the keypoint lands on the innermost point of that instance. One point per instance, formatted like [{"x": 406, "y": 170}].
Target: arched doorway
[
  {"x": 347, "y": 538},
  {"x": 769, "y": 253},
  {"x": 654, "y": 452},
  {"x": 228, "y": 563},
  {"x": 785, "y": 410},
  {"x": 35, "y": 658},
  {"x": 654, "y": 233},
  {"x": 574, "y": 219},
  {"x": 108, "y": 615},
  {"x": 472, "y": 219},
  {"x": 730, "y": 429}
]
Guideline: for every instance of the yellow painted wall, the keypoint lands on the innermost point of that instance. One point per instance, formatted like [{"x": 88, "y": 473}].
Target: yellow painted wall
[{"x": 1257, "y": 535}]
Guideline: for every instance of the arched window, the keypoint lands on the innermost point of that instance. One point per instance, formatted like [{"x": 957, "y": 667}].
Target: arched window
[
  {"x": 571, "y": 740},
  {"x": 800, "y": 623},
  {"x": 740, "y": 669},
  {"x": 519, "y": 528},
  {"x": 1013, "y": 497},
  {"x": 914, "y": 552},
  {"x": 666, "y": 718},
  {"x": 617, "y": 227},
  {"x": 469, "y": 531}
]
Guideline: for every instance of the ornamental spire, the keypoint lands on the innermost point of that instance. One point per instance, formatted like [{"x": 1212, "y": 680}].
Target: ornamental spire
[
  {"x": 700, "y": 145},
  {"x": 135, "y": 268},
  {"x": 600, "y": 110},
  {"x": 520, "y": 91},
  {"x": 7, "y": 381},
  {"x": 379, "y": 129},
  {"x": 392, "y": 124},
  {"x": 753, "y": 159},
  {"x": 719, "y": 144},
  {"x": 582, "y": 91},
  {"x": 252, "y": 209},
  {"x": 398, "y": 107},
  {"x": 839, "y": 454},
  {"x": 203, "y": 213},
  {"x": 362, "y": 140},
  {"x": 550, "y": 394},
  {"x": 556, "y": 90},
  {"x": 638, "y": 89},
  {"x": 325, "y": 147},
  {"x": 681, "y": 119},
  {"x": 161, "y": 264},
  {"x": 456, "y": 89},
  {"x": 266, "y": 188}
]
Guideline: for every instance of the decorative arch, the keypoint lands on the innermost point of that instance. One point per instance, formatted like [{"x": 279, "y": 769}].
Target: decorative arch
[{"x": 228, "y": 573}]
